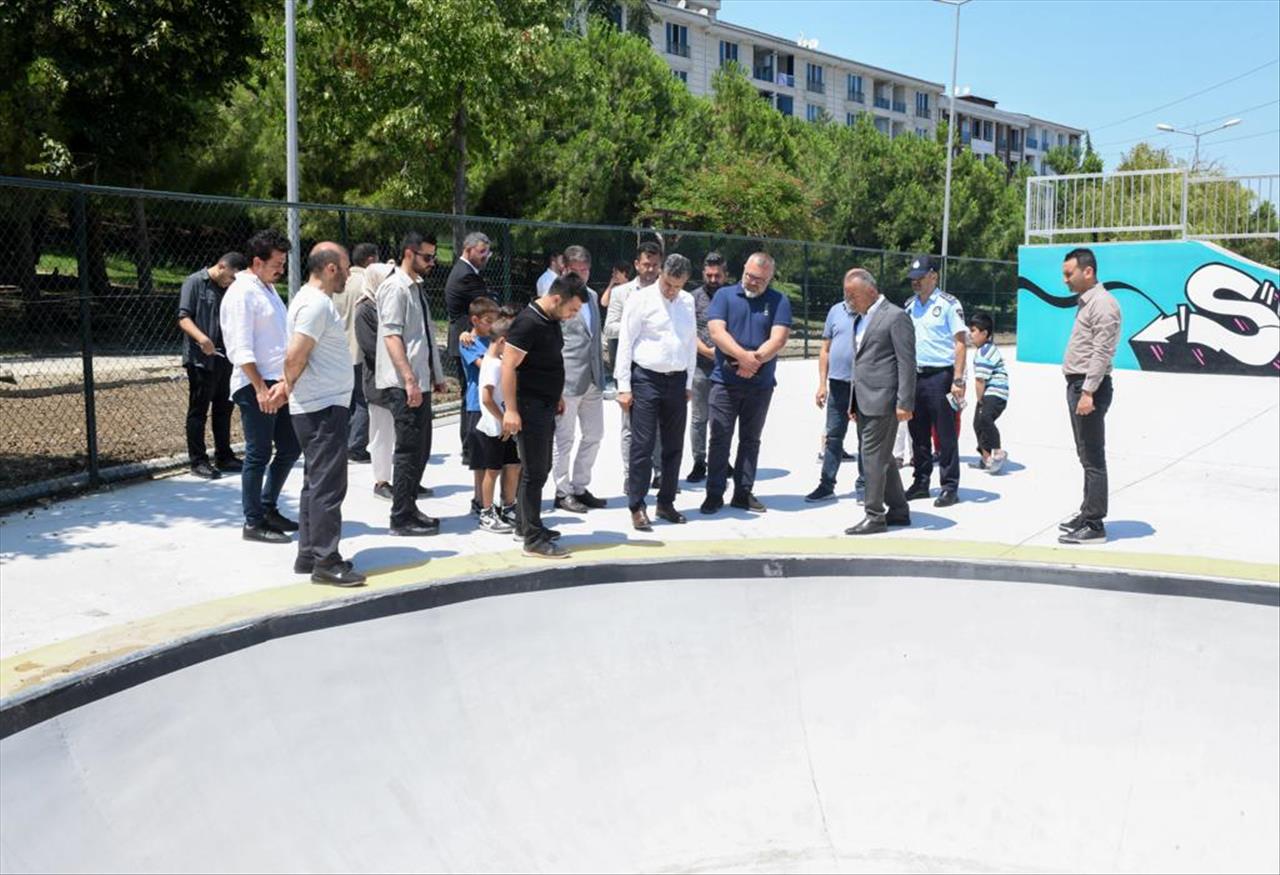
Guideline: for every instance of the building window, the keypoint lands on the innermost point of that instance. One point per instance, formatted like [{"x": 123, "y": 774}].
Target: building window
[
  {"x": 785, "y": 104},
  {"x": 813, "y": 112},
  {"x": 988, "y": 131},
  {"x": 922, "y": 133},
  {"x": 965, "y": 134},
  {"x": 854, "y": 85},
  {"x": 681, "y": 75},
  {"x": 728, "y": 53},
  {"x": 677, "y": 40},
  {"x": 882, "y": 125},
  {"x": 922, "y": 104},
  {"x": 813, "y": 79}
]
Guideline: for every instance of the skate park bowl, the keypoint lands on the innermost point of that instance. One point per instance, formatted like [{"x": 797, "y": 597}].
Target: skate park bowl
[{"x": 738, "y": 715}]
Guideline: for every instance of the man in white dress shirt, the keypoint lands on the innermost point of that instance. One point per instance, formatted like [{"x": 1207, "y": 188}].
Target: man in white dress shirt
[
  {"x": 253, "y": 320},
  {"x": 555, "y": 267},
  {"x": 657, "y": 353}
]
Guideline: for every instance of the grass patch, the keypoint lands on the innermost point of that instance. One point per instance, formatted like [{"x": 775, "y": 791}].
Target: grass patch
[{"x": 120, "y": 270}]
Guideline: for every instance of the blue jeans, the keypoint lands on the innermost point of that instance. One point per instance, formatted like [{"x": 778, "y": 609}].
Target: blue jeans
[
  {"x": 261, "y": 430},
  {"x": 838, "y": 392}
]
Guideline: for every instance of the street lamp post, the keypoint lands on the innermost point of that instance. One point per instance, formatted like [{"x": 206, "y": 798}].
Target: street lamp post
[
  {"x": 1170, "y": 129},
  {"x": 291, "y": 141},
  {"x": 951, "y": 136}
]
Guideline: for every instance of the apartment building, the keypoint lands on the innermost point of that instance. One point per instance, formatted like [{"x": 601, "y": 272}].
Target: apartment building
[{"x": 804, "y": 82}]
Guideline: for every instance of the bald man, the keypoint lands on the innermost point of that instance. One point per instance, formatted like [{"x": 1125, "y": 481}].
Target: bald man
[{"x": 319, "y": 380}]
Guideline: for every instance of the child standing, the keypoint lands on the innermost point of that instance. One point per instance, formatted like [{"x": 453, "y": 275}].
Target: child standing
[
  {"x": 991, "y": 386},
  {"x": 491, "y": 452},
  {"x": 471, "y": 349}
]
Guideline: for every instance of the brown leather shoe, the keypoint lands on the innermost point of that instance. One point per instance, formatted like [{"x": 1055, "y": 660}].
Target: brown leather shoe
[{"x": 640, "y": 520}]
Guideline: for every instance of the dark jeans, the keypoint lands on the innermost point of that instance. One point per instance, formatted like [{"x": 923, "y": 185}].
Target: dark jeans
[
  {"x": 658, "y": 406},
  {"x": 984, "y": 422},
  {"x": 745, "y": 407},
  {"x": 1090, "y": 433},
  {"x": 261, "y": 431},
  {"x": 932, "y": 411},
  {"x": 323, "y": 436},
  {"x": 209, "y": 387},
  {"x": 409, "y": 458},
  {"x": 535, "y": 442},
  {"x": 838, "y": 392},
  {"x": 358, "y": 427}
]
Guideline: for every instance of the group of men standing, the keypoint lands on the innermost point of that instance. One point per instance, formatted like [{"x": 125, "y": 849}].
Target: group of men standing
[{"x": 346, "y": 372}]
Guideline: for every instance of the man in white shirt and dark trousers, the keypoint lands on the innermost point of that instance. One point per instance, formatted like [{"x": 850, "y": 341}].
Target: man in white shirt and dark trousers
[
  {"x": 583, "y": 396},
  {"x": 319, "y": 377},
  {"x": 555, "y": 267},
  {"x": 408, "y": 368},
  {"x": 657, "y": 354},
  {"x": 253, "y": 320}
]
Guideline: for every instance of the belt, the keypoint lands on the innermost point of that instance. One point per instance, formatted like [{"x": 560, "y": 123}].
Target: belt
[
  {"x": 660, "y": 373},
  {"x": 929, "y": 372}
]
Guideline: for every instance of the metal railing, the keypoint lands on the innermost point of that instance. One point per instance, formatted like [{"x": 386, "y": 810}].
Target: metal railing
[
  {"x": 91, "y": 379},
  {"x": 1170, "y": 202},
  {"x": 881, "y": 103},
  {"x": 924, "y": 112},
  {"x": 786, "y": 79},
  {"x": 857, "y": 97},
  {"x": 676, "y": 48},
  {"x": 816, "y": 86},
  {"x": 900, "y": 106}
]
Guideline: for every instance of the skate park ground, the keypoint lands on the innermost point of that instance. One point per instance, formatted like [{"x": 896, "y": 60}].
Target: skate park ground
[{"x": 741, "y": 693}]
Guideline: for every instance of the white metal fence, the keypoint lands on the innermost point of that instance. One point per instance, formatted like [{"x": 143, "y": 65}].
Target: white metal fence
[{"x": 1167, "y": 203}]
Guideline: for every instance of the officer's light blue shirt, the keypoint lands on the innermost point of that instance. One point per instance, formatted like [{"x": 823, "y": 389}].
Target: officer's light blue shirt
[
  {"x": 839, "y": 330},
  {"x": 938, "y": 320}
]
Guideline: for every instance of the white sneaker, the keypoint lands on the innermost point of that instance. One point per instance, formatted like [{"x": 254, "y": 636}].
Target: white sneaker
[
  {"x": 491, "y": 522},
  {"x": 996, "y": 464}
]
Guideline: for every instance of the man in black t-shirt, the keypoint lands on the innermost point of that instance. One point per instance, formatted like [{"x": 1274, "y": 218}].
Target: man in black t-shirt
[{"x": 532, "y": 385}]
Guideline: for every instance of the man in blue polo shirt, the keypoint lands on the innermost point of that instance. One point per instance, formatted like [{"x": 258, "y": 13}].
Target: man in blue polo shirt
[
  {"x": 835, "y": 378},
  {"x": 749, "y": 324},
  {"x": 940, "y": 350}
]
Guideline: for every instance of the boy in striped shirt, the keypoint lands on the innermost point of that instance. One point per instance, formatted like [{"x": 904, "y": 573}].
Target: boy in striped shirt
[{"x": 991, "y": 384}]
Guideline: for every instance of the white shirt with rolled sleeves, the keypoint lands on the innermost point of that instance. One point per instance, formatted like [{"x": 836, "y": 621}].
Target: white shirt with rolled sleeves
[
  {"x": 328, "y": 379},
  {"x": 657, "y": 334},
  {"x": 938, "y": 320},
  {"x": 255, "y": 329}
]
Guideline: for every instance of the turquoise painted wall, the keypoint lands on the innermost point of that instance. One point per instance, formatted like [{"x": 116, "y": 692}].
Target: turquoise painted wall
[{"x": 1187, "y": 306}]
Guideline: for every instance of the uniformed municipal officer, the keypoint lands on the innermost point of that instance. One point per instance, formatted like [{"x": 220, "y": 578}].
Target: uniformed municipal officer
[{"x": 940, "y": 349}]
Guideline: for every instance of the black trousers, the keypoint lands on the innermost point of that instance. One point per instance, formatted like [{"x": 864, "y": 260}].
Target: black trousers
[
  {"x": 985, "y": 414},
  {"x": 358, "y": 426},
  {"x": 1090, "y": 433},
  {"x": 536, "y": 442},
  {"x": 746, "y": 407},
  {"x": 323, "y": 436},
  {"x": 658, "y": 407},
  {"x": 409, "y": 458},
  {"x": 209, "y": 387},
  {"x": 463, "y": 425},
  {"x": 932, "y": 411}
]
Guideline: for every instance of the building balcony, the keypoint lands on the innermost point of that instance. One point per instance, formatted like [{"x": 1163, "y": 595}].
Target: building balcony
[
  {"x": 815, "y": 87},
  {"x": 923, "y": 112},
  {"x": 857, "y": 97},
  {"x": 681, "y": 49},
  {"x": 1002, "y": 144},
  {"x": 1033, "y": 143},
  {"x": 900, "y": 106},
  {"x": 764, "y": 74},
  {"x": 785, "y": 79},
  {"x": 882, "y": 103}
]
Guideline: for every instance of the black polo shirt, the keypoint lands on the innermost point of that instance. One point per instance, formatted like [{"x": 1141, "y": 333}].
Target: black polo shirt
[{"x": 539, "y": 337}]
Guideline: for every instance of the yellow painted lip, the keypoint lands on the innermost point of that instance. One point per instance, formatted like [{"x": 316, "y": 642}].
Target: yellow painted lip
[{"x": 54, "y": 662}]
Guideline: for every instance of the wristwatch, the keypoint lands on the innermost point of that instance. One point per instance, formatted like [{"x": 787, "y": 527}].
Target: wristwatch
[{"x": 957, "y": 382}]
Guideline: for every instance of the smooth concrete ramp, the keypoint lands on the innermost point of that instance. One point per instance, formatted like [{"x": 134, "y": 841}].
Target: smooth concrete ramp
[{"x": 843, "y": 723}]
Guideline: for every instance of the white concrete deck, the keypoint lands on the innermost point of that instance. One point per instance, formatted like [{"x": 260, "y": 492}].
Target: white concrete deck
[{"x": 1195, "y": 488}]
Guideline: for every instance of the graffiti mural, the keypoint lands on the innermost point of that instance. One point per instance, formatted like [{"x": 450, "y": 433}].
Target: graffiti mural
[{"x": 1187, "y": 306}]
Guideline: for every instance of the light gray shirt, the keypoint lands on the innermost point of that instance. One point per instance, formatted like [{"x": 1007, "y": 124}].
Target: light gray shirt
[
  {"x": 401, "y": 313},
  {"x": 1094, "y": 337},
  {"x": 327, "y": 380}
]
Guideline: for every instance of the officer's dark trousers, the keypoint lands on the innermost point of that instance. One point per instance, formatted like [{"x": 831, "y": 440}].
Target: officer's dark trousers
[
  {"x": 1090, "y": 433},
  {"x": 932, "y": 411}
]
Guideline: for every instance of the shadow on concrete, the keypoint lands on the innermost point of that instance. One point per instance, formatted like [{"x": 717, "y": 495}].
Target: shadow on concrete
[
  {"x": 1124, "y": 530},
  {"x": 378, "y": 558},
  {"x": 969, "y": 495}
]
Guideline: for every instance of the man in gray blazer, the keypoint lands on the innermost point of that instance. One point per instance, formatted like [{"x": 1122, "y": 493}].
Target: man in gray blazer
[
  {"x": 583, "y": 397},
  {"x": 884, "y": 391}
]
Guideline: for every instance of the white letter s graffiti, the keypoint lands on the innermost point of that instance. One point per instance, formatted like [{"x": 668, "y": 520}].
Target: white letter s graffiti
[{"x": 1225, "y": 291}]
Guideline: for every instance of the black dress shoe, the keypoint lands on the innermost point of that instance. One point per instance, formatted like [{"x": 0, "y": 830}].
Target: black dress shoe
[
  {"x": 304, "y": 565},
  {"x": 670, "y": 514},
  {"x": 230, "y": 465},
  {"x": 279, "y": 521},
  {"x": 425, "y": 491},
  {"x": 918, "y": 490},
  {"x": 846, "y": 456},
  {"x": 205, "y": 471},
  {"x": 698, "y": 473},
  {"x": 894, "y": 519},
  {"x": 868, "y": 526},
  {"x": 747, "y": 502},
  {"x": 337, "y": 574},
  {"x": 428, "y": 521},
  {"x": 590, "y": 500},
  {"x": 264, "y": 535},
  {"x": 383, "y": 491},
  {"x": 360, "y": 456},
  {"x": 946, "y": 498},
  {"x": 1085, "y": 533},
  {"x": 640, "y": 520},
  {"x": 570, "y": 503},
  {"x": 545, "y": 550},
  {"x": 414, "y": 529},
  {"x": 1071, "y": 523},
  {"x": 711, "y": 504}
]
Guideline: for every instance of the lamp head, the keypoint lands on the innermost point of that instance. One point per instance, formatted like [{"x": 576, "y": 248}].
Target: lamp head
[{"x": 1164, "y": 127}]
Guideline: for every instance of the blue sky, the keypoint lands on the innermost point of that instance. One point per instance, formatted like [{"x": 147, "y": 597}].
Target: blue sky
[{"x": 1083, "y": 63}]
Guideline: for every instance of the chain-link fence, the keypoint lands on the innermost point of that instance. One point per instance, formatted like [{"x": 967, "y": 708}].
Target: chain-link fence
[{"x": 91, "y": 379}]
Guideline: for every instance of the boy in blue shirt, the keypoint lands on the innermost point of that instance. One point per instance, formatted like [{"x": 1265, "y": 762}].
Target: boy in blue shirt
[
  {"x": 471, "y": 349},
  {"x": 991, "y": 385}
]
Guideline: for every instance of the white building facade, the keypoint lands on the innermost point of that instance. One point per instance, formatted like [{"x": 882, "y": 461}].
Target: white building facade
[{"x": 804, "y": 82}]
